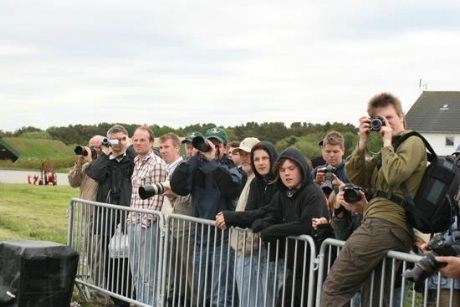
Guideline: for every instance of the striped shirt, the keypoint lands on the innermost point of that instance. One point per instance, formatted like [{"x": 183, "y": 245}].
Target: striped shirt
[
  {"x": 148, "y": 169},
  {"x": 172, "y": 166}
]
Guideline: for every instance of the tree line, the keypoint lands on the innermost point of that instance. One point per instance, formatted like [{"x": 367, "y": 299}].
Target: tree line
[{"x": 305, "y": 136}]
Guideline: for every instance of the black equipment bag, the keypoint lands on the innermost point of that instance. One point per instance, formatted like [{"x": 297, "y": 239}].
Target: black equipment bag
[{"x": 432, "y": 208}]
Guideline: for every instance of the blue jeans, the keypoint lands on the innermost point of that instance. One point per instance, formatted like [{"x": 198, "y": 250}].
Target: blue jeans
[
  {"x": 143, "y": 261},
  {"x": 256, "y": 282},
  {"x": 213, "y": 272}
]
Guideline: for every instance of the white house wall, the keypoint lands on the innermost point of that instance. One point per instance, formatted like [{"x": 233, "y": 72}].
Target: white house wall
[{"x": 438, "y": 142}]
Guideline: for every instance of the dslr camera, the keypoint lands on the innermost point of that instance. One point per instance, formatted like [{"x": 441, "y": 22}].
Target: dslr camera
[
  {"x": 82, "y": 151},
  {"x": 199, "y": 142},
  {"x": 427, "y": 266},
  {"x": 109, "y": 142},
  {"x": 326, "y": 186},
  {"x": 352, "y": 193},
  {"x": 376, "y": 123},
  {"x": 150, "y": 190}
]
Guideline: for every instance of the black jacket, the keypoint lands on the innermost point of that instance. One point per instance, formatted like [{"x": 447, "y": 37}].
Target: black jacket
[
  {"x": 262, "y": 188},
  {"x": 290, "y": 212},
  {"x": 214, "y": 185},
  {"x": 114, "y": 183}
]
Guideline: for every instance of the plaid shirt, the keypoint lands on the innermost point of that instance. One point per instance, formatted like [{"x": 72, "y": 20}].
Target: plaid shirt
[{"x": 147, "y": 170}]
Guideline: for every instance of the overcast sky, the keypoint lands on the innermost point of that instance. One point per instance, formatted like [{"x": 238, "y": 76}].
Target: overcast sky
[{"x": 229, "y": 62}]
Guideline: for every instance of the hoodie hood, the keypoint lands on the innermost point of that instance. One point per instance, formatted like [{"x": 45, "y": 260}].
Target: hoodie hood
[
  {"x": 296, "y": 156},
  {"x": 272, "y": 153}
]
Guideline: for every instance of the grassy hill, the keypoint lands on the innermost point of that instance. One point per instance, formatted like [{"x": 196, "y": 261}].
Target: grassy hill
[
  {"x": 33, "y": 151},
  {"x": 39, "y": 149}
]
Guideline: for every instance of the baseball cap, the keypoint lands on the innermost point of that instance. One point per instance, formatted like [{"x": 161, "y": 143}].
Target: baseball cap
[
  {"x": 247, "y": 144},
  {"x": 190, "y": 136},
  {"x": 217, "y": 133}
]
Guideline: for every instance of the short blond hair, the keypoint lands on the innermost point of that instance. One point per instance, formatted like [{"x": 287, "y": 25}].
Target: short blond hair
[
  {"x": 333, "y": 138},
  {"x": 170, "y": 136}
]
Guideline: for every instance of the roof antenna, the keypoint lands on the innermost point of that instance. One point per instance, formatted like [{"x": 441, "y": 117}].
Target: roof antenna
[{"x": 422, "y": 85}]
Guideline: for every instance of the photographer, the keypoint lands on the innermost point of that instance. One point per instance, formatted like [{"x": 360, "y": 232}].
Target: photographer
[
  {"x": 452, "y": 268},
  {"x": 77, "y": 176},
  {"x": 112, "y": 171},
  {"x": 143, "y": 228},
  {"x": 332, "y": 150},
  {"x": 214, "y": 184},
  {"x": 384, "y": 225},
  {"x": 449, "y": 266},
  {"x": 88, "y": 189},
  {"x": 347, "y": 215}
]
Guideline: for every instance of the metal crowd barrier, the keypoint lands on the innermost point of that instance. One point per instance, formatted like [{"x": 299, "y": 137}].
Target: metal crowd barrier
[
  {"x": 402, "y": 292},
  {"x": 189, "y": 262},
  {"x": 115, "y": 257},
  {"x": 206, "y": 266}
]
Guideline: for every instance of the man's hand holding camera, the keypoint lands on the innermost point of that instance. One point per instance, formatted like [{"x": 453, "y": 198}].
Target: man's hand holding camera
[
  {"x": 353, "y": 204},
  {"x": 210, "y": 154},
  {"x": 452, "y": 268},
  {"x": 83, "y": 154},
  {"x": 378, "y": 124},
  {"x": 106, "y": 149}
]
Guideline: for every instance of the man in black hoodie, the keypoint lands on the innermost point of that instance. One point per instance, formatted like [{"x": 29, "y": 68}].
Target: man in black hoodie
[{"x": 289, "y": 213}]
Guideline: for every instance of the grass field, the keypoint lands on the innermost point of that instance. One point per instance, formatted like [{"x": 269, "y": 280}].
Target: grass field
[{"x": 34, "y": 212}]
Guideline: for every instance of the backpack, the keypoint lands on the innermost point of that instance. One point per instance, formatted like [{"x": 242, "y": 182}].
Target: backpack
[{"x": 433, "y": 207}]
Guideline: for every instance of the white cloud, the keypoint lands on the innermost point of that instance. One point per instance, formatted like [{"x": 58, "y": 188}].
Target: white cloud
[{"x": 183, "y": 62}]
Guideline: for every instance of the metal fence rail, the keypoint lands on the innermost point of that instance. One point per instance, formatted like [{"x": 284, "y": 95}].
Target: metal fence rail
[
  {"x": 208, "y": 266},
  {"x": 117, "y": 257},
  {"x": 187, "y": 261},
  {"x": 402, "y": 292}
]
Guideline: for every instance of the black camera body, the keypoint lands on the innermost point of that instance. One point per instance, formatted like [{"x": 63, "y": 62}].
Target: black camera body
[
  {"x": 81, "y": 151},
  {"x": 200, "y": 143},
  {"x": 427, "y": 266},
  {"x": 376, "y": 123},
  {"x": 328, "y": 171},
  {"x": 352, "y": 193},
  {"x": 109, "y": 142},
  {"x": 150, "y": 190}
]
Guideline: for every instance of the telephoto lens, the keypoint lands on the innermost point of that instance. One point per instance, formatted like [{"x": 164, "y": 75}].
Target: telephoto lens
[
  {"x": 200, "y": 143},
  {"x": 428, "y": 265},
  {"x": 327, "y": 186},
  {"x": 351, "y": 193},
  {"x": 80, "y": 150},
  {"x": 147, "y": 191},
  {"x": 109, "y": 142}
]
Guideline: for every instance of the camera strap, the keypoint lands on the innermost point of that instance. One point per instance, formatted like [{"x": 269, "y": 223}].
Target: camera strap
[{"x": 390, "y": 196}]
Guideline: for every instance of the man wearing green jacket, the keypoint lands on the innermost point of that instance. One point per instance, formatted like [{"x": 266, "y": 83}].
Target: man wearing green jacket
[{"x": 384, "y": 226}]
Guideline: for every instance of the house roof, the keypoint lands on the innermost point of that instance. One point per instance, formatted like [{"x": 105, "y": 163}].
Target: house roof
[
  {"x": 435, "y": 111},
  {"x": 7, "y": 152}
]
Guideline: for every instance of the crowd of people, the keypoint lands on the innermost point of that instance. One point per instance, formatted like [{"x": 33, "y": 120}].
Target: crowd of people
[{"x": 249, "y": 184}]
